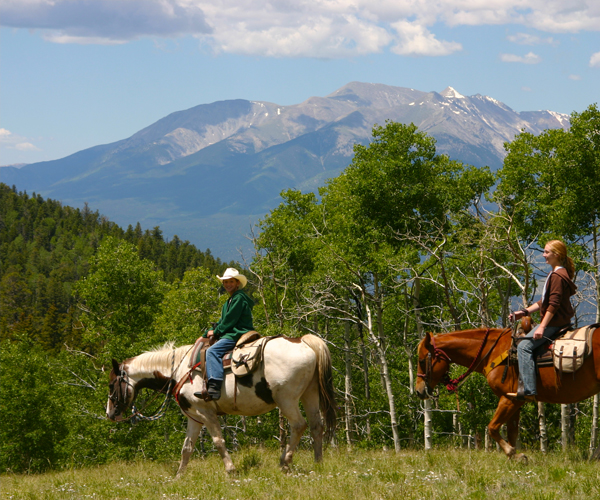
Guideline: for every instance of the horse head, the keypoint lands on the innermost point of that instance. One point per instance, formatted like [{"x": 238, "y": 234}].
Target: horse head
[
  {"x": 432, "y": 368},
  {"x": 121, "y": 392}
]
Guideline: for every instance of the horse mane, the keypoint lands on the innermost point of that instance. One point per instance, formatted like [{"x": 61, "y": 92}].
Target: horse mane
[{"x": 161, "y": 358}]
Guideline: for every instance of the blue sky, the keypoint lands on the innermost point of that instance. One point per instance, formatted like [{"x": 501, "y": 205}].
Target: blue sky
[{"x": 75, "y": 74}]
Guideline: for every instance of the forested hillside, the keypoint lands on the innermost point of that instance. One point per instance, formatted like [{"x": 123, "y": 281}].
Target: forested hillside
[
  {"x": 46, "y": 248},
  {"x": 404, "y": 241}
]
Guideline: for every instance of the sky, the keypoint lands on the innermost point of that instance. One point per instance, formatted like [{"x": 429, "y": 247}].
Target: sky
[{"x": 79, "y": 73}]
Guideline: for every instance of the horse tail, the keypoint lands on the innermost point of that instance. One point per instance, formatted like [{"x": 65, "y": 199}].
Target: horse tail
[{"x": 326, "y": 391}]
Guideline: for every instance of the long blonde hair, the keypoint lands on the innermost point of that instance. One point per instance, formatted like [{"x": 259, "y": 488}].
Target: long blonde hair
[{"x": 559, "y": 249}]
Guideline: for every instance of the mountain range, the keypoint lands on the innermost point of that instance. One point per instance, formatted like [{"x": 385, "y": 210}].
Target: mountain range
[{"x": 209, "y": 172}]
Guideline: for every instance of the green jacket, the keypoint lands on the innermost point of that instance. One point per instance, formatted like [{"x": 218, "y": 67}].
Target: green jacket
[{"x": 236, "y": 317}]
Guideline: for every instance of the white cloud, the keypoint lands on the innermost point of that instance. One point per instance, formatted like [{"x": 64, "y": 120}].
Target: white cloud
[
  {"x": 595, "y": 60},
  {"x": 575, "y": 77},
  {"x": 26, "y": 146},
  {"x": 414, "y": 39},
  {"x": 526, "y": 89},
  {"x": 529, "y": 58},
  {"x": 105, "y": 21},
  {"x": 290, "y": 28},
  {"x": 319, "y": 37},
  {"x": 527, "y": 39},
  {"x": 8, "y": 140}
]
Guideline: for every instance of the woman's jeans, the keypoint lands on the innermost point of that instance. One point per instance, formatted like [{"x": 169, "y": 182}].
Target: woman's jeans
[
  {"x": 214, "y": 358},
  {"x": 525, "y": 354}
]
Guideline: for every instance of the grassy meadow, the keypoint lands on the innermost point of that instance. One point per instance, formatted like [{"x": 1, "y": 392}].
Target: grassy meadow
[{"x": 356, "y": 474}]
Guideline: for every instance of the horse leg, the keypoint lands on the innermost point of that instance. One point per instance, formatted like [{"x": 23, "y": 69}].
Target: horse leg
[
  {"x": 512, "y": 433},
  {"x": 508, "y": 413},
  {"x": 310, "y": 401},
  {"x": 297, "y": 427},
  {"x": 214, "y": 429},
  {"x": 193, "y": 430}
]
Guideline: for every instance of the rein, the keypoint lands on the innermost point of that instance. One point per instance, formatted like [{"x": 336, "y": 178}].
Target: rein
[
  {"x": 136, "y": 415},
  {"x": 452, "y": 385}
]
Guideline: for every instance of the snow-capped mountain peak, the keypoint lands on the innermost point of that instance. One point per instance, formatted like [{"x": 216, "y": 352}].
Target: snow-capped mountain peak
[{"x": 451, "y": 93}]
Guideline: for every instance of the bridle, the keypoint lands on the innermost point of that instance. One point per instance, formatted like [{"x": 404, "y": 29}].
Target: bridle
[
  {"x": 452, "y": 385},
  {"x": 119, "y": 396},
  {"x": 120, "y": 401}
]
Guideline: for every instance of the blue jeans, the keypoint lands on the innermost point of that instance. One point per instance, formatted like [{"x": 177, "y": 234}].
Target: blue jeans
[
  {"x": 214, "y": 358},
  {"x": 525, "y": 354}
]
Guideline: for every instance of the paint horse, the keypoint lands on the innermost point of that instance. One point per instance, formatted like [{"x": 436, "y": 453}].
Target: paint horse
[
  {"x": 294, "y": 369},
  {"x": 477, "y": 349}
]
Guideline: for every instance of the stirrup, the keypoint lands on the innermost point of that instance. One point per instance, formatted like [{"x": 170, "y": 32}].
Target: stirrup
[{"x": 521, "y": 397}]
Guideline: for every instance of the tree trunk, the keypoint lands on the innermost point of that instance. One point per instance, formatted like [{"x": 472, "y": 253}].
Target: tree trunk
[
  {"x": 456, "y": 429},
  {"x": 348, "y": 383},
  {"x": 427, "y": 424},
  {"x": 428, "y": 429},
  {"x": 543, "y": 429},
  {"x": 565, "y": 419},
  {"x": 378, "y": 340},
  {"x": 365, "y": 363},
  {"x": 390, "y": 395},
  {"x": 595, "y": 451}
]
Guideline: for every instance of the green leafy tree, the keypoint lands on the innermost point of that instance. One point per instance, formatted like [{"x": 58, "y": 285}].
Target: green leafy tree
[
  {"x": 188, "y": 307},
  {"x": 32, "y": 414},
  {"x": 120, "y": 298}
]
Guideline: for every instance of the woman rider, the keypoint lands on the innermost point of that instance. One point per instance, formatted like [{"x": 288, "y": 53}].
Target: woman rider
[
  {"x": 236, "y": 319},
  {"x": 555, "y": 309}
]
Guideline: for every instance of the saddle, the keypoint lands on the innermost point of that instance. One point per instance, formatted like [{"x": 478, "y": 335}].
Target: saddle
[
  {"x": 245, "y": 358},
  {"x": 567, "y": 353}
]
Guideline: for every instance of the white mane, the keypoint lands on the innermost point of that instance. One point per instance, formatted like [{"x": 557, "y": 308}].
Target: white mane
[{"x": 161, "y": 358}]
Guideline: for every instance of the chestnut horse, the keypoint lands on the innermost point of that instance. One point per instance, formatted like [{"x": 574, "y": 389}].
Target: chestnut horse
[
  {"x": 476, "y": 349},
  {"x": 293, "y": 370}
]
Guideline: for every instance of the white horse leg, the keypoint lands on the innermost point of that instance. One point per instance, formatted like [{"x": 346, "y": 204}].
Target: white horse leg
[
  {"x": 193, "y": 430},
  {"x": 310, "y": 401},
  {"x": 214, "y": 428},
  {"x": 297, "y": 427}
]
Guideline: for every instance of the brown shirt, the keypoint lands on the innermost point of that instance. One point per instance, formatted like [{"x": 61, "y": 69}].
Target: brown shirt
[{"x": 557, "y": 298}]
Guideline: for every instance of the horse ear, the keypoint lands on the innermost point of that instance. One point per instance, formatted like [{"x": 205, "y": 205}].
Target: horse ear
[
  {"x": 427, "y": 341},
  {"x": 116, "y": 366}
]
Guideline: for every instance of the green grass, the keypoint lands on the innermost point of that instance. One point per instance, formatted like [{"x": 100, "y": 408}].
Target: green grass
[{"x": 356, "y": 474}]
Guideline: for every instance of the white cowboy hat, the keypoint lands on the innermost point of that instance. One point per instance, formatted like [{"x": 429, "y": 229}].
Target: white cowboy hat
[{"x": 230, "y": 272}]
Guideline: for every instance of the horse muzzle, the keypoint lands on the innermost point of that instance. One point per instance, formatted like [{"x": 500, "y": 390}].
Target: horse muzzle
[{"x": 422, "y": 389}]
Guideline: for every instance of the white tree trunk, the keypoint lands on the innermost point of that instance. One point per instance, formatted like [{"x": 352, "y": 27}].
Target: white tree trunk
[
  {"x": 565, "y": 420},
  {"x": 428, "y": 428},
  {"x": 348, "y": 384},
  {"x": 385, "y": 372},
  {"x": 594, "y": 430},
  {"x": 543, "y": 429},
  {"x": 456, "y": 430}
]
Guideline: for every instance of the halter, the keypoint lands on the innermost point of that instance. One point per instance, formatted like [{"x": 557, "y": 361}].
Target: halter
[{"x": 451, "y": 384}]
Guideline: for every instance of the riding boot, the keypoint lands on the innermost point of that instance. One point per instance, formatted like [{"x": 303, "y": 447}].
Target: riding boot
[{"x": 214, "y": 389}]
